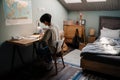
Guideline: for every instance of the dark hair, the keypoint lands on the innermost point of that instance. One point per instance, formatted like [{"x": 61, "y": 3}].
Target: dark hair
[{"x": 45, "y": 17}]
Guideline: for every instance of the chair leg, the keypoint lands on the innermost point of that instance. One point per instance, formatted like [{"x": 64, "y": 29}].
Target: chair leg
[
  {"x": 55, "y": 66},
  {"x": 62, "y": 61}
]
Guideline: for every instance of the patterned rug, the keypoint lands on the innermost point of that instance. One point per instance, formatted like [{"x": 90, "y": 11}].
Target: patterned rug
[
  {"x": 80, "y": 75},
  {"x": 86, "y": 75}
]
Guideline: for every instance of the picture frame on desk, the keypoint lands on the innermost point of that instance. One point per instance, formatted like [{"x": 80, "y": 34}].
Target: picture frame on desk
[{"x": 82, "y": 22}]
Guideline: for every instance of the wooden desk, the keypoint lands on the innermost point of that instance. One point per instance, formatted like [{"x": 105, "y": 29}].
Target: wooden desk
[{"x": 23, "y": 42}]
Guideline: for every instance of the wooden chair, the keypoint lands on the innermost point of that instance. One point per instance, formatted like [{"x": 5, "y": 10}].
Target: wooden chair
[{"x": 58, "y": 45}]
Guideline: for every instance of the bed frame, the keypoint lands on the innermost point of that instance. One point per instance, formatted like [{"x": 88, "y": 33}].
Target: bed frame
[{"x": 113, "y": 70}]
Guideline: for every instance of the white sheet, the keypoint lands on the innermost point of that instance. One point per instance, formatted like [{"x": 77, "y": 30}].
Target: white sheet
[{"x": 105, "y": 48}]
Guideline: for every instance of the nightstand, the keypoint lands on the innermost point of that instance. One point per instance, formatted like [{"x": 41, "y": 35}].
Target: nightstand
[
  {"x": 91, "y": 39},
  {"x": 82, "y": 45}
]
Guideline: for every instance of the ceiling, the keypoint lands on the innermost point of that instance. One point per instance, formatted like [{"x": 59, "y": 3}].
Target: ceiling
[{"x": 92, "y": 6}]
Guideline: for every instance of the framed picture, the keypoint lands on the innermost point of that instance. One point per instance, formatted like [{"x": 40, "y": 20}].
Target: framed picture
[{"x": 83, "y": 22}]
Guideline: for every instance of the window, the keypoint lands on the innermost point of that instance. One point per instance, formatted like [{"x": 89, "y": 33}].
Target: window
[
  {"x": 95, "y": 0},
  {"x": 73, "y": 1}
]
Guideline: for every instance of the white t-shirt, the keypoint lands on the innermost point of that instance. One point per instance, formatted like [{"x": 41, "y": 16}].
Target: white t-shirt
[{"x": 56, "y": 29}]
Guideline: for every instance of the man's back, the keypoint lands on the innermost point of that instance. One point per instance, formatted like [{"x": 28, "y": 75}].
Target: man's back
[{"x": 55, "y": 28}]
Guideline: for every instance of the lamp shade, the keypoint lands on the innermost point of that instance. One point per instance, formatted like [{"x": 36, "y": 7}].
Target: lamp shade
[{"x": 92, "y": 32}]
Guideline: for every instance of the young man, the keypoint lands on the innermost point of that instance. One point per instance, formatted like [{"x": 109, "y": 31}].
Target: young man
[{"x": 51, "y": 35}]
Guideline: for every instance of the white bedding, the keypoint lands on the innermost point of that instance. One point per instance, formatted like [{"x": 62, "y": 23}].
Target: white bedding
[{"x": 103, "y": 45}]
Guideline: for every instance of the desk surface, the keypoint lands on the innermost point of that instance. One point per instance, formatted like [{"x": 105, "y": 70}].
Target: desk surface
[{"x": 26, "y": 41}]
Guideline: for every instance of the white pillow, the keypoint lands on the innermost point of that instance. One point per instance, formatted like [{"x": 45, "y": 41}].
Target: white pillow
[
  {"x": 109, "y": 29},
  {"x": 106, "y": 28},
  {"x": 110, "y": 33},
  {"x": 112, "y": 29}
]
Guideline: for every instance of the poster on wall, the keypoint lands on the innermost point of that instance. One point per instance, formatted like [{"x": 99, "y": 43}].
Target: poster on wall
[{"x": 17, "y": 12}]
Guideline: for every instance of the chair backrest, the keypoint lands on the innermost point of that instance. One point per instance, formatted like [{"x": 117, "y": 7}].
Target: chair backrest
[{"x": 58, "y": 45}]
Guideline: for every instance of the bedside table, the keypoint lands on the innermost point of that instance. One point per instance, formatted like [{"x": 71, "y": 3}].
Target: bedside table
[
  {"x": 91, "y": 39},
  {"x": 82, "y": 45}
]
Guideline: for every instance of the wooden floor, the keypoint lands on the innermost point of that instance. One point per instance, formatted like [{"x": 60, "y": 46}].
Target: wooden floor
[{"x": 37, "y": 72}]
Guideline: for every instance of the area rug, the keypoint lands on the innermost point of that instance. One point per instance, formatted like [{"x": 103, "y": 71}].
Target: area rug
[
  {"x": 80, "y": 75},
  {"x": 73, "y": 58}
]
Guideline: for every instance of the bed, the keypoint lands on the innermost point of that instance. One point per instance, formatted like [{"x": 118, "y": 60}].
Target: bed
[{"x": 99, "y": 60}]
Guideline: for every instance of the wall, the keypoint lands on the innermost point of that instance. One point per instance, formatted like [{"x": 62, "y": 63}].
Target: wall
[
  {"x": 53, "y": 7},
  {"x": 92, "y": 17},
  {"x": 38, "y": 8}
]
